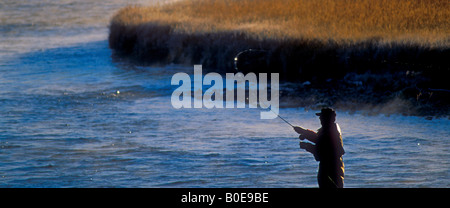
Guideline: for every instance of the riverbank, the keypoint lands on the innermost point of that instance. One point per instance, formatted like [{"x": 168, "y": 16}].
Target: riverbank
[{"x": 371, "y": 52}]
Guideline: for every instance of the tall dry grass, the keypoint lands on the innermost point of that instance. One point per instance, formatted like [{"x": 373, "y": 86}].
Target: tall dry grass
[
  {"x": 423, "y": 22},
  {"x": 212, "y": 31},
  {"x": 302, "y": 37},
  {"x": 409, "y": 32},
  {"x": 392, "y": 47}
]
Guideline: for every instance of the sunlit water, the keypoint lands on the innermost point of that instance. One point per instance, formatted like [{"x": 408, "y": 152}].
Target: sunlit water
[{"x": 72, "y": 116}]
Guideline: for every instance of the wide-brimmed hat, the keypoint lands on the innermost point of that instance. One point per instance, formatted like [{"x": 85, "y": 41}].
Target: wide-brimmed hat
[{"x": 327, "y": 112}]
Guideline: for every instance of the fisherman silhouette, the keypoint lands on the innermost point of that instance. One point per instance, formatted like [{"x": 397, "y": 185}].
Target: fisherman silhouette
[{"x": 327, "y": 148}]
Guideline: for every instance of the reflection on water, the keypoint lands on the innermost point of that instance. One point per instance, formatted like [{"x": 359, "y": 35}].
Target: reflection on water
[{"x": 70, "y": 116}]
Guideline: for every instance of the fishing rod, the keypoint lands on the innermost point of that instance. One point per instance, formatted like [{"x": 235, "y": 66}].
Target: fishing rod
[
  {"x": 297, "y": 129},
  {"x": 285, "y": 121},
  {"x": 282, "y": 118}
]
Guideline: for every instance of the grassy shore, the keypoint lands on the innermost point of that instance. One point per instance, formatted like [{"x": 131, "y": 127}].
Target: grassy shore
[{"x": 394, "y": 48}]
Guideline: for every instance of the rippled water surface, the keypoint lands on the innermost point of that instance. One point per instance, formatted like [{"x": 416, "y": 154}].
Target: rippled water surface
[{"x": 71, "y": 115}]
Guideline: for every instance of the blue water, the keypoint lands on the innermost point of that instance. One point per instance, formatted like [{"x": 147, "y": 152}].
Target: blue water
[{"x": 73, "y": 115}]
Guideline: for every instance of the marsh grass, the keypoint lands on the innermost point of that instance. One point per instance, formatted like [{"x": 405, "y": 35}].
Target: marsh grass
[
  {"x": 424, "y": 22},
  {"x": 405, "y": 41},
  {"x": 212, "y": 32}
]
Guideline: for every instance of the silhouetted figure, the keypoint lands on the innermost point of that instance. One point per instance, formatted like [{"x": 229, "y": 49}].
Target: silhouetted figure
[{"x": 327, "y": 148}]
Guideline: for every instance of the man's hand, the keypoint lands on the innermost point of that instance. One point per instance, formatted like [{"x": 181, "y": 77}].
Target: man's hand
[
  {"x": 303, "y": 145},
  {"x": 299, "y": 129},
  {"x": 310, "y": 148},
  {"x": 306, "y": 134},
  {"x": 302, "y": 137}
]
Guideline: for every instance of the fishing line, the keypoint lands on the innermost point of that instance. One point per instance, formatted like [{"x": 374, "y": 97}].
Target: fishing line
[
  {"x": 237, "y": 69},
  {"x": 280, "y": 117},
  {"x": 284, "y": 120}
]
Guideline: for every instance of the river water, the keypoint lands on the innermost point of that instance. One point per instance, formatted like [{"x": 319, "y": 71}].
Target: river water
[{"x": 71, "y": 115}]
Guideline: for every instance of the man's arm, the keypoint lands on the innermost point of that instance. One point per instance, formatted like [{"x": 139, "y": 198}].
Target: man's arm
[
  {"x": 306, "y": 134},
  {"x": 310, "y": 148}
]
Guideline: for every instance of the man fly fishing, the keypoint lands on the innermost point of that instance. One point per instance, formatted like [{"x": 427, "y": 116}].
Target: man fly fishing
[
  {"x": 326, "y": 145},
  {"x": 327, "y": 148}
]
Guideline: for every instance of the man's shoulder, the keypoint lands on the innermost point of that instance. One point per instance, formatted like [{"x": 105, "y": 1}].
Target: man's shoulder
[{"x": 338, "y": 128}]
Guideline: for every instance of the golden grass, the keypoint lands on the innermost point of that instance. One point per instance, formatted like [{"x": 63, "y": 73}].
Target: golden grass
[
  {"x": 302, "y": 37},
  {"x": 420, "y": 22},
  {"x": 390, "y": 48}
]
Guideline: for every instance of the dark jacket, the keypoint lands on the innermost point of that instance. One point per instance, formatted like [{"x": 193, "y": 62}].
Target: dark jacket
[{"x": 327, "y": 148}]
